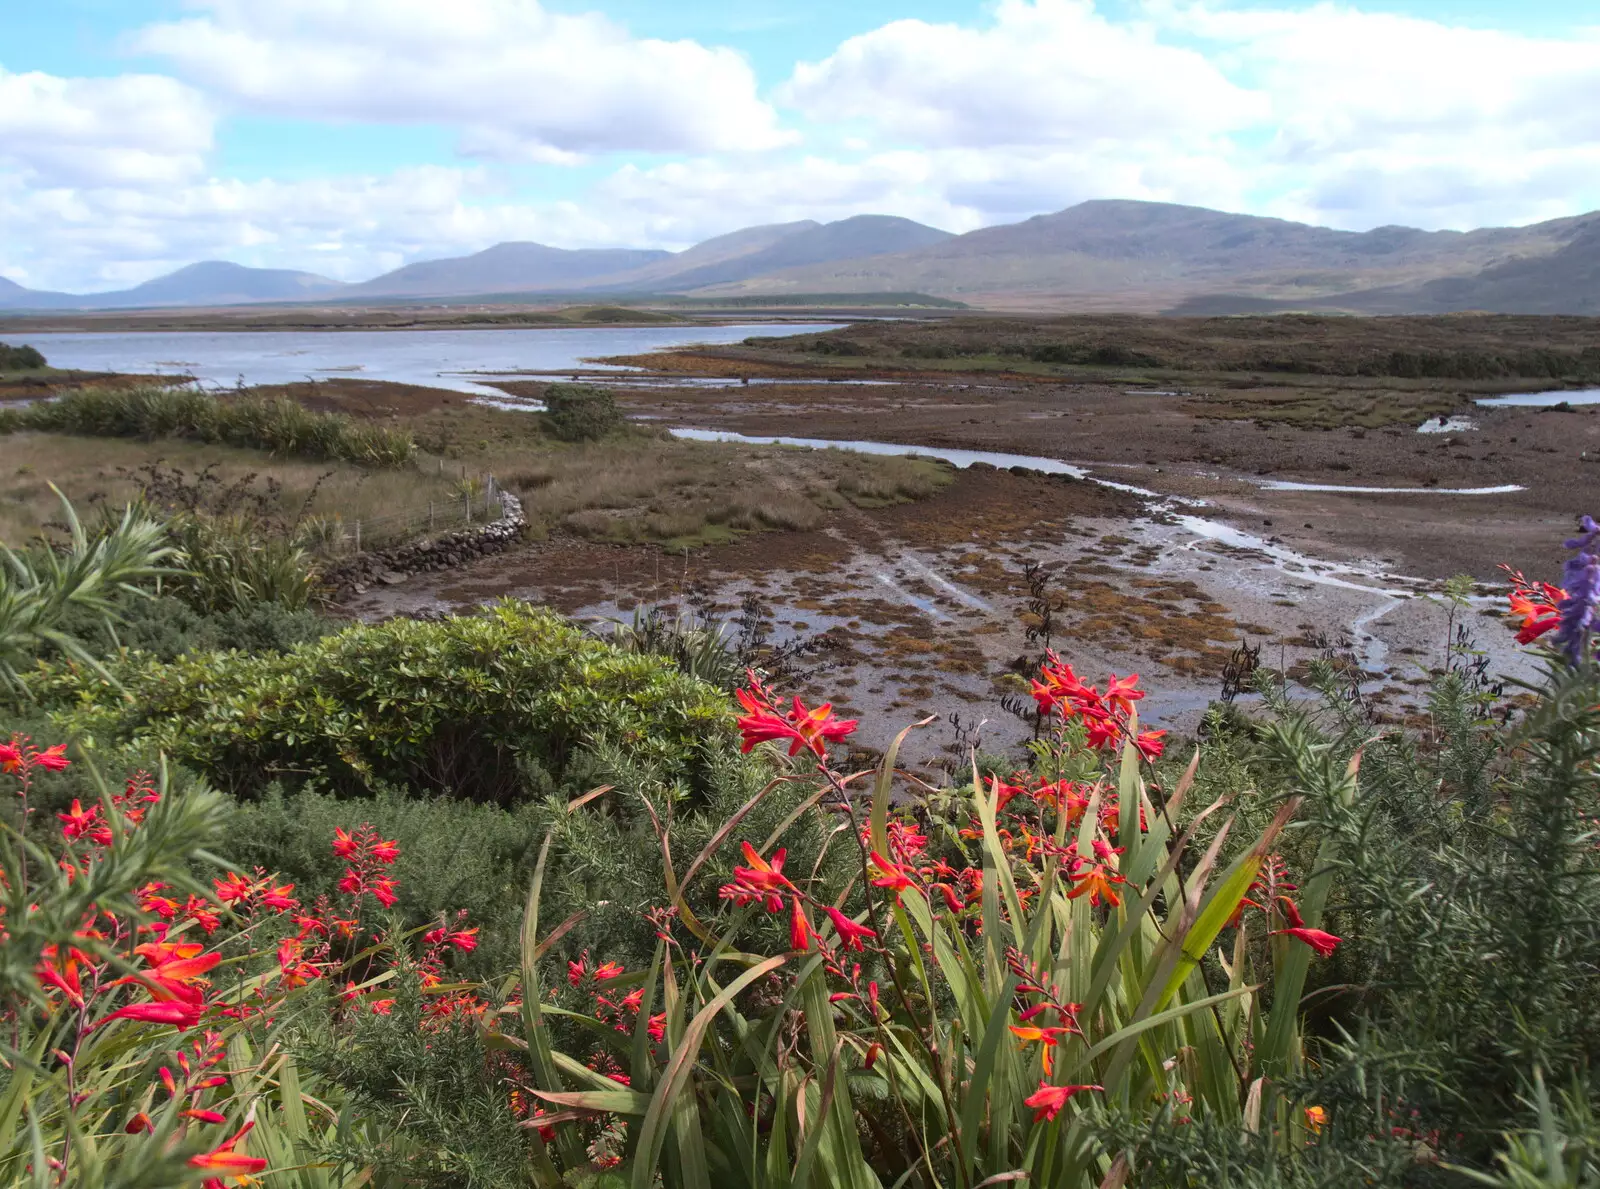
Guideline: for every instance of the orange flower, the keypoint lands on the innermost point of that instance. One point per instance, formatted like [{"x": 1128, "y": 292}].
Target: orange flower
[
  {"x": 224, "y": 1159},
  {"x": 1048, "y": 1100},
  {"x": 1316, "y": 1118},
  {"x": 176, "y": 971},
  {"x": 1048, "y": 1037},
  {"x": 1095, "y": 881}
]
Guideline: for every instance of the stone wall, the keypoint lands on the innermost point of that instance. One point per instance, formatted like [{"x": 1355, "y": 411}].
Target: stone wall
[{"x": 393, "y": 566}]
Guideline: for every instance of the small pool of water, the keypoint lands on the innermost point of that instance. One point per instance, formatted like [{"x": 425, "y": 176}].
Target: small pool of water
[
  {"x": 1448, "y": 425},
  {"x": 1539, "y": 400},
  {"x": 956, "y": 458}
]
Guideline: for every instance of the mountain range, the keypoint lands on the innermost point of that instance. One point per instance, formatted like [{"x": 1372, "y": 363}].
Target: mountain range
[{"x": 1099, "y": 255}]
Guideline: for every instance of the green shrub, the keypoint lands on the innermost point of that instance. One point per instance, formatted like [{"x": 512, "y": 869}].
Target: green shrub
[
  {"x": 20, "y": 359},
  {"x": 491, "y": 707},
  {"x": 581, "y": 412},
  {"x": 277, "y": 424},
  {"x": 165, "y": 627}
]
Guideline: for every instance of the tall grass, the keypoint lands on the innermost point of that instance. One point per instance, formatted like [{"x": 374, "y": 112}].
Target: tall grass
[{"x": 276, "y": 424}]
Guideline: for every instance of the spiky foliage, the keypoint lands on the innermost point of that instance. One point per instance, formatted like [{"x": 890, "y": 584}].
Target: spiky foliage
[{"x": 41, "y": 589}]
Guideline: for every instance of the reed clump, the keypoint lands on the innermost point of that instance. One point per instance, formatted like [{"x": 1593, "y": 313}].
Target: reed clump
[{"x": 275, "y": 424}]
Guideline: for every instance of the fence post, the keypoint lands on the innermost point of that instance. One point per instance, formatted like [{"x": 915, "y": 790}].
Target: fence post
[
  {"x": 466, "y": 503},
  {"x": 430, "y": 516},
  {"x": 358, "y": 536}
]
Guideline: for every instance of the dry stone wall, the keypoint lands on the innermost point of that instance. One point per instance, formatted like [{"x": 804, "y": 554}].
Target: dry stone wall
[{"x": 393, "y": 566}]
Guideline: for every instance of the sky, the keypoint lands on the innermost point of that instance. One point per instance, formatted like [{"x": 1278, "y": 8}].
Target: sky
[{"x": 348, "y": 137}]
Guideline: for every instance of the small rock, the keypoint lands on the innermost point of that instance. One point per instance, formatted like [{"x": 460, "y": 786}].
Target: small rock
[{"x": 392, "y": 578}]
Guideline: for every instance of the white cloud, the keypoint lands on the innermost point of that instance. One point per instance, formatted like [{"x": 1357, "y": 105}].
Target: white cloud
[
  {"x": 517, "y": 81},
  {"x": 1325, "y": 112},
  {"x": 132, "y": 129},
  {"x": 1043, "y": 72},
  {"x": 350, "y": 228}
]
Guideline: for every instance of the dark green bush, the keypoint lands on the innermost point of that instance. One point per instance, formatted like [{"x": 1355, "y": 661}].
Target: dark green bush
[
  {"x": 166, "y": 627},
  {"x": 581, "y": 412},
  {"x": 493, "y": 707},
  {"x": 278, "y": 424},
  {"x": 20, "y": 359}
]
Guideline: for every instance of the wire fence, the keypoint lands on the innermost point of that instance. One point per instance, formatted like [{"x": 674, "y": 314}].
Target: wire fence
[{"x": 477, "y": 501}]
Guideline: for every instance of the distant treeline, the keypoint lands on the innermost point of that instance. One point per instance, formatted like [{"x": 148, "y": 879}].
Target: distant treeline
[
  {"x": 19, "y": 359},
  {"x": 276, "y": 424}
]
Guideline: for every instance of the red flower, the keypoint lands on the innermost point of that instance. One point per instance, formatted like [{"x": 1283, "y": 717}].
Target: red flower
[
  {"x": 175, "y": 1012},
  {"x": 79, "y": 821},
  {"x": 761, "y": 880},
  {"x": 386, "y": 852},
  {"x": 235, "y": 887},
  {"x": 63, "y": 976},
  {"x": 803, "y": 728},
  {"x": 578, "y": 971},
  {"x": 279, "y": 899},
  {"x": 1323, "y": 943},
  {"x": 11, "y": 759},
  {"x": 139, "y": 1122},
  {"x": 1048, "y": 1100},
  {"x": 1123, "y": 692},
  {"x": 53, "y": 758},
  {"x": 343, "y": 844},
  {"x": 799, "y": 928},
  {"x": 465, "y": 940},
  {"x": 609, "y": 970},
  {"x": 151, "y": 901},
  {"x": 657, "y": 1026},
  {"x": 203, "y": 1115},
  {"x": 202, "y": 914},
  {"x": 894, "y": 876},
  {"x": 850, "y": 933},
  {"x": 1536, "y": 603},
  {"x": 1150, "y": 744}
]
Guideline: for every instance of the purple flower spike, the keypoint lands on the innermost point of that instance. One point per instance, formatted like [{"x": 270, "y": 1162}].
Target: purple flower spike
[{"x": 1580, "y": 578}]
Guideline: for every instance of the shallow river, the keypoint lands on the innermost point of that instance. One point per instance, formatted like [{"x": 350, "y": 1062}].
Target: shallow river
[{"x": 436, "y": 358}]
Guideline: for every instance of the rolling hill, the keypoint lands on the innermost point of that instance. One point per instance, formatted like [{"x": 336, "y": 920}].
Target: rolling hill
[
  {"x": 505, "y": 268},
  {"x": 211, "y": 282},
  {"x": 1152, "y": 256},
  {"x": 1104, "y": 255}
]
